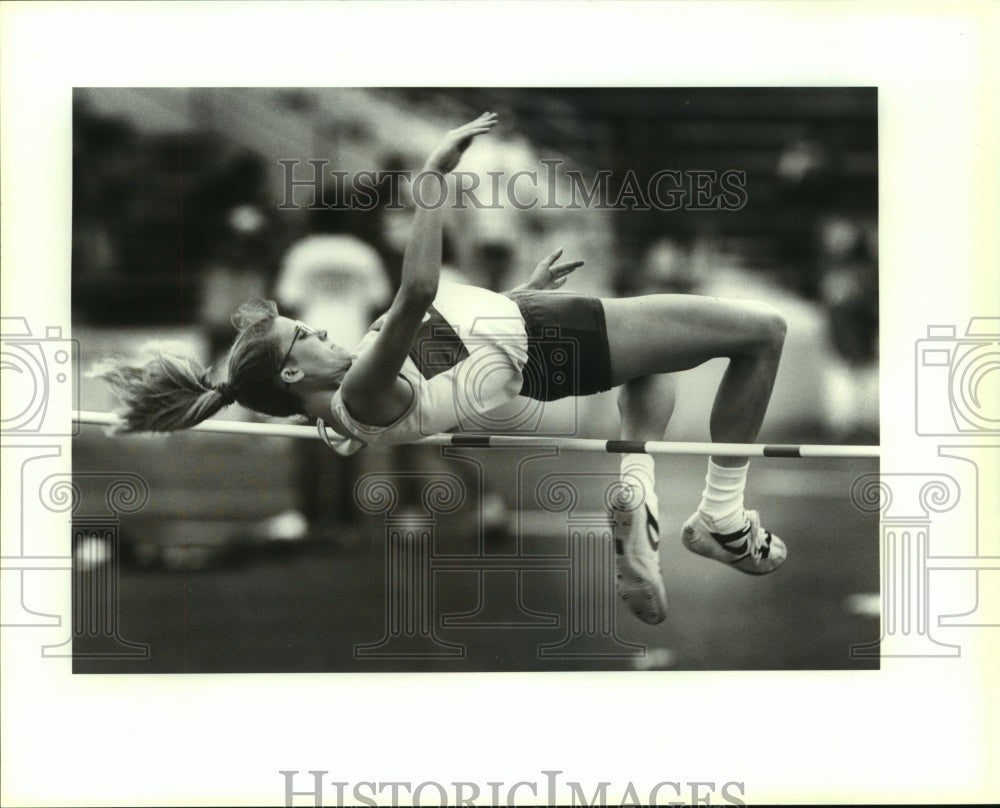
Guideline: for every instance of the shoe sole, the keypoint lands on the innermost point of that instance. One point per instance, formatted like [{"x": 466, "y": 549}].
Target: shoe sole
[
  {"x": 633, "y": 586},
  {"x": 639, "y": 595}
]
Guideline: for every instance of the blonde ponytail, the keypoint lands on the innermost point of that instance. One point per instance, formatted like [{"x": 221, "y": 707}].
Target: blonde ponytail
[
  {"x": 167, "y": 392},
  {"x": 163, "y": 394}
]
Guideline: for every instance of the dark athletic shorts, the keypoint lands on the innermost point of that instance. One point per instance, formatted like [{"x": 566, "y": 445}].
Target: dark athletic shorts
[{"x": 568, "y": 352}]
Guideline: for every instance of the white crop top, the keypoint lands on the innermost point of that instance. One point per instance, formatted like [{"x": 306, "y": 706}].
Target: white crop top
[{"x": 466, "y": 359}]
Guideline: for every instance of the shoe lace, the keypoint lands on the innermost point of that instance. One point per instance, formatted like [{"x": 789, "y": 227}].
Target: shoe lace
[{"x": 757, "y": 541}]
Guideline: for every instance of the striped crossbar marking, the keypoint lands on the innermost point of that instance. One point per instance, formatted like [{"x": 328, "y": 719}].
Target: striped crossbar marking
[
  {"x": 497, "y": 441},
  {"x": 782, "y": 451}
]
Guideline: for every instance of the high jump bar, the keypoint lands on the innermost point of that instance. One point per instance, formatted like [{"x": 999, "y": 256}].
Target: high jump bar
[{"x": 497, "y": 441}]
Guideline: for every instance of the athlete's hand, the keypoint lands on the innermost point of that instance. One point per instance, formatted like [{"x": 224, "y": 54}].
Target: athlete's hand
[
  {"x": 550, "y": 275},
  {"x": 446, "y": 156}
]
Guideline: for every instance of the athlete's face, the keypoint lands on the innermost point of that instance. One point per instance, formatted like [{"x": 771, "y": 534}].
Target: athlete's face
[{"x": 308, "y": 356}]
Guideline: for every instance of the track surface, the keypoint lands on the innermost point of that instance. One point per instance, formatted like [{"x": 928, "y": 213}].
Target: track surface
[{"x": 306, "y": 608}]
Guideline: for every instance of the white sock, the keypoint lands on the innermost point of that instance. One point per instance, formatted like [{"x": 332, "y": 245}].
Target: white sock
[
  {"x": 722, "y": 499},
  {"x": 638, "y": 469}
]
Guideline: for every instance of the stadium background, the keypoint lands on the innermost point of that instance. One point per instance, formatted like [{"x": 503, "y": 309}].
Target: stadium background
[{"x": 252, "y": 555}]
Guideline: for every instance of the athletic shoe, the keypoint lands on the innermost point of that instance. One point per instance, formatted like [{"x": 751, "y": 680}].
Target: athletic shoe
[
  {"x": 753, "y": 550},
  {"x": 638, "y": 579}
]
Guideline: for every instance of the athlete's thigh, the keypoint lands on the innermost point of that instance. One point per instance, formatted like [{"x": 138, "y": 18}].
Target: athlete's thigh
[{"x": 668, "y": 333}]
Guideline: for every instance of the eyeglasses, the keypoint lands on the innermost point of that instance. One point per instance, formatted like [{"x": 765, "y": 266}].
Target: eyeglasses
[{"x": 300, "y": 328}]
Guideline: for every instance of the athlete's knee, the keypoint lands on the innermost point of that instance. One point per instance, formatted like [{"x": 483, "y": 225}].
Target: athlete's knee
[
  {"x": 777, "y": 326},
  {"x": 768, "y": 326},
  {"x": 657, "y": 390}
]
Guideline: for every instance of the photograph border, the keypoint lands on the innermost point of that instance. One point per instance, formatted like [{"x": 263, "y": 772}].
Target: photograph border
[{"x": 832, "y": 736}]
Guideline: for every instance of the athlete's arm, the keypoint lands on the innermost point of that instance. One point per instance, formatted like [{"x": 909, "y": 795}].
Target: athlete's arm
[
  {"x": 371, "y": 388},
  {"x": 548, "y": 274}
]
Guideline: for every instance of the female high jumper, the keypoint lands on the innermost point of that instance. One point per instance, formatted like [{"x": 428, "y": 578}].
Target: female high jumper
[{"x": 388, "y": 390}]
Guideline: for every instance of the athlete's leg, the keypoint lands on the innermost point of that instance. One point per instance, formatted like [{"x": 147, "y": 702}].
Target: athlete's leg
[
  {"x": 645, "y": 405},
  {"x": 666, "y": 333}
]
